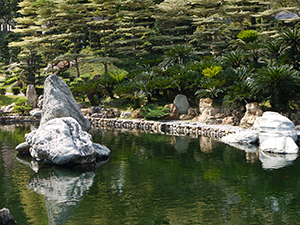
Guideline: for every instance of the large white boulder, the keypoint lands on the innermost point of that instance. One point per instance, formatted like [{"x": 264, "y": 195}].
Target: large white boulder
[
  {"x": 61, "y": 140},
  {"x": 274, "y": 125},
  {"x": 59, "y": 102},
  {"x": 182, "y": 104}
]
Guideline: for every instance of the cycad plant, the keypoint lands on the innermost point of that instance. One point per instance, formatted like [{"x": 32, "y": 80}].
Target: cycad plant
[{"x": 278, "y": 84}]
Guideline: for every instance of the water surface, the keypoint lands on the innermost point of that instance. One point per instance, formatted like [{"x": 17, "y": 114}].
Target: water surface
[{"x": 150, "y": 179}]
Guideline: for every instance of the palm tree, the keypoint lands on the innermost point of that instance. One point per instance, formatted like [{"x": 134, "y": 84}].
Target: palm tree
[
  {"x": 279, "y": 84},
  {"x": 290, "y": 39}
]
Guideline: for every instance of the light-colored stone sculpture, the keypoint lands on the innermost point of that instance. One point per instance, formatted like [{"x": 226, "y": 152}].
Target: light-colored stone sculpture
[
  {"x": 253, "y": 111},
  {"x": 31, "y": 96},
  {"x": 182, "y": 104},
  {"x": 205, "y": 103},
  {"x": 59, "y": 102},
  {"x": 61, "y": 140},
  {"x": 174, "y": 114}
]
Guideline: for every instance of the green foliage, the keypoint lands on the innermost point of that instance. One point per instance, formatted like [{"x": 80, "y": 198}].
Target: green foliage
[
  {"x": 279, "y": 84},
  {"x": 39, "y": 90},
  {"x": 154, "y": 112},
  {"x": 11, "y": 79},
  {"x": 15, "y": 90},
  {"x": 212, "y": 71},
  {"x": 22, "y": 107},
  {"x": 23, "y": 90},
  {"x": 117, "y": 75},
  {"x": 248, "y": 36},
  {"x": 2, "y": 91}
]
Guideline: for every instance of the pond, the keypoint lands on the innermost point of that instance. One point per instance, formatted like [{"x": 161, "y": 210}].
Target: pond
[{"x": 149, "y": 179}]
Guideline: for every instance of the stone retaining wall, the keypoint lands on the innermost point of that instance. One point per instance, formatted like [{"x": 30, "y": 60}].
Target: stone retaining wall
[
  {"x": 166, "y": 127},
  {"x": 18, "y": 118}
]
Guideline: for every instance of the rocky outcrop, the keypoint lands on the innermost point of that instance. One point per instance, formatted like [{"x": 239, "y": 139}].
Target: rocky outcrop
[
  {"x": 253, "y": 111},
  {"x": 245, "y": 137},
  {"x": 59, "y": 102},
  {"x": 8, "y": 108},
  {"x": 205, "y": 103},
  {"x": 182, "y": 104},
  {"x": 6, "y": 218},
  {"x": 136, "y": 114},
  {"x": 31, "y": 96},
  {"x": 61, "y": 141},
  {"x": 174, "y": 114}
]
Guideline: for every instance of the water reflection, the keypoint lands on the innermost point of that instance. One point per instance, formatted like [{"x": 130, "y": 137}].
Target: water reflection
[
  {"x": 276, "y": 161},
  {"x": 63, "y": 190}
]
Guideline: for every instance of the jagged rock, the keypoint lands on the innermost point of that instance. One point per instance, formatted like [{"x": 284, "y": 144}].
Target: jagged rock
[
  {"x": 182, "y": 104},
  {"x": 136, "y": 114},
  {"x": 59, "y": 102},
  {"x": 193, "y": 112},
  {"x": 206, "y": 115},
  {"x": 228, "y": 120},
  {"x": 31, "y": 96},
  {"x": 36, "y": 112},
  {"x": 6, "y": 218},
  {"x": 283, "y": 145},
  {"x": 95, "y": 109},
  {"x": 40, "y": 101},
  {"x": 61, "y": 140},
  {"x": 85, "y": 112},
  {"x": 253, "y": 111},
  {"x": 205, "y": 103},
  {"x": 125, "y": 114},
  {"x": 174, "y": 114},
  {"x": 8, "y": 108},
  {"x": 185, "y": 117},
  {"x": 62, "y": 65},
  {"x": 107, "y": 113}
]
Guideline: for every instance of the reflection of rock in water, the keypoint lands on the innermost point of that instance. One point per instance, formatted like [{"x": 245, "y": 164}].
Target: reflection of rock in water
[
  {"x": 63, "y": 190},
  {"x": 276, "y": 161},
  {"x": 206, "y": 145},
  {"x": 251, "y": 156},
  {"x": 182, "y": 144}
]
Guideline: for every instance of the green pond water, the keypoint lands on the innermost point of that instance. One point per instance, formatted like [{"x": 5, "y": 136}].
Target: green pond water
[{"x": 150, "y": 179}]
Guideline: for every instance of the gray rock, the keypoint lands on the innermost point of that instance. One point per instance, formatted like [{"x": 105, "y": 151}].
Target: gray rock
[
  {"x": 182, "y": 104},
  {"x": 61, "y": 140},
  {"x": 272, "y": 124},
  {"x": 125, "y": 115},
  {"x": 36, "y": 112},
  {"x": 31, "y": 96},
  {"x": 23, "y": 147},
  {"x": 59, "y": 102},
  {"x": 6, "y": 218}
]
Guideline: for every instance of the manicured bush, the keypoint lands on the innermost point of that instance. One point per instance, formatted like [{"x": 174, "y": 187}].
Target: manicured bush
[
  {"x": 22, "y": 107},
  {"x": 15, "y": 90},
  {"x": 2, "y": 91}
]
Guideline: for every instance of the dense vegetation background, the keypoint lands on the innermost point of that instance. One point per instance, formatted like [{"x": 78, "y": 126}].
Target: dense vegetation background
[{"x": 148, "y": 51}]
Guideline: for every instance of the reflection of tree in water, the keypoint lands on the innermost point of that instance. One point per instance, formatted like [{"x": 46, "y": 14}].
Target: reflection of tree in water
[{"x": 63, "y": 190}]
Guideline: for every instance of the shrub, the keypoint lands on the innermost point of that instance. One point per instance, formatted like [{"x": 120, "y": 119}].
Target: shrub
[
  {"x": 23, "y": 90},
  {"x": 11, "y": 80},
  {"x": 2, "y": 91},
  {"x": 22, "y": 107},
  {"x": 15, "y": 90},
  {"x": 248, "y": 35},
  {"x": 154, "y": 112}
]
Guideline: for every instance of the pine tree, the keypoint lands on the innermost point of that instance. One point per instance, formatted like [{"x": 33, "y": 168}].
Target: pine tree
[
  {"x": 134, "y": 27},
  {"x": 102, "y": 15},
  {"x": 173, "y": 25},
  {"x": 72, "y": 19}
]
